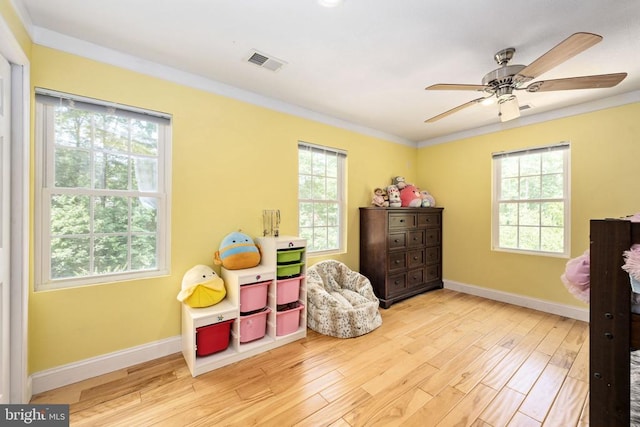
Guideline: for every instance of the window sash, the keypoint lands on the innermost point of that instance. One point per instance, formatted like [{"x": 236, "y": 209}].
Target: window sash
[
  {"x": 330, "y": 233},
  {"x": 522, "y": 205},
  {"x": 46, "y": 189}
]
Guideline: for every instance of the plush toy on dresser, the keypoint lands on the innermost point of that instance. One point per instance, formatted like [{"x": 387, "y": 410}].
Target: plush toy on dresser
[
  {"x": 378, "y": 198},
  {"x": 394, "y": 196}
]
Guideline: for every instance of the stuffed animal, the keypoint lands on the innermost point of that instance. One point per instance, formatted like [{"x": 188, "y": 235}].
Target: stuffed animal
[
  {"x": 201, "y": 287},
  {"x": 394, "y": 196},
  {"x": 378, "y": 198},
  {"x": 399, "y": 182},
  {"x": 237, "y": 251},
  {"x": 427, "y": 199},
  {"x": 410, "y": 196}
]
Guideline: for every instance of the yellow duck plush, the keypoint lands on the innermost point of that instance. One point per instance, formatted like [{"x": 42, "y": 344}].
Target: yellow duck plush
[{"x": 201, "y": 287}]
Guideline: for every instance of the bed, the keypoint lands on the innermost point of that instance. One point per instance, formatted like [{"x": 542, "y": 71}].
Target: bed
[{"x": 614, "y": 329}]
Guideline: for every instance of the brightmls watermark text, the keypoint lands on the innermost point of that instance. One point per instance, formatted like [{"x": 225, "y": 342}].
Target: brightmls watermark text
[{"x": 34, "y": 415}]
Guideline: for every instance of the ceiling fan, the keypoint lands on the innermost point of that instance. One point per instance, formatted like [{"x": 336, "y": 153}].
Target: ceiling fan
[{"x": 503, "y": 81}]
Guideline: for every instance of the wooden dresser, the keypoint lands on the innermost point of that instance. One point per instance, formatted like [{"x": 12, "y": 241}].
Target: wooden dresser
[{"x": 401, "y": 251}]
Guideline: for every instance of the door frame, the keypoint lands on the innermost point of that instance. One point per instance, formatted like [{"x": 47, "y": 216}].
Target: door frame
[{"x": 20, "y": 384}]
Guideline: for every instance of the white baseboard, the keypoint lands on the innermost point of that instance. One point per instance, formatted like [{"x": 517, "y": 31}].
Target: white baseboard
[
  {"x": 88, "y": 368},
  {"x": 520, "y": 300}
]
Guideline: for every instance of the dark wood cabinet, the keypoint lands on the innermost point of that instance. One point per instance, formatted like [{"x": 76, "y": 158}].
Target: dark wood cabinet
[{"x": 401, "y": 251}]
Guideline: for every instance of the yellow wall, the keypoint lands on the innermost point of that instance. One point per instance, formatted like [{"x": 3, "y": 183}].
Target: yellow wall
[
  {"x": 605, "y": 148},
  {"x": 230, "y": 160},
  {"x": 14, "y": 23}
]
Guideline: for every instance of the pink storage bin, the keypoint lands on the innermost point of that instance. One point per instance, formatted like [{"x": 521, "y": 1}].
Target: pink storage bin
[
  {"x": 288, "y": 321},
  {"x": 288, "y": 290},
  {"x": 253, "y": 296},
  {"x": 254, "y": 326}
]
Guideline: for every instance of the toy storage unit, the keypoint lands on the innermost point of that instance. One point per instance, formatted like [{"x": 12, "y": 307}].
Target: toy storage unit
[
  {"x": 287, "y": 255},
  {"x": 252, "y": 317}
]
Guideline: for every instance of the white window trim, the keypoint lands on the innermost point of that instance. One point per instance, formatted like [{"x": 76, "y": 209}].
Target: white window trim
[
  {"x": 342, "y": 208},
  {"x": 566, "y": 147},
  {"x": 42, "y": 205}
]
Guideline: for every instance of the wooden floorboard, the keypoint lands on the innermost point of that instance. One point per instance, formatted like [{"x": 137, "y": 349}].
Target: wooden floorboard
[{"x": 439, "y": 359}]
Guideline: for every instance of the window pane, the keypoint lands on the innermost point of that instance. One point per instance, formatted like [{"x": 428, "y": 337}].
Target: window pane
[
  {"x": 530, "y": 164},
  {"x": 144, "y": 137},
  {"x": 529, "y": 238},
  {"x": 508, "y": 214},
  {"x": 552, "y": 214},
  {"x": 72, "y": 127},
  {"x": 111, "y": 253},
  {"x": 552, "y": 239},
  {"x": 306, "y": 214},
  {"x": 143, "y": 252},
  {"x": 320, "y": 215},
  {"x": 320, "y": 240},
  {"x": 510, "y": 189},
  {"x": 305, "y": 187},
  {"x": 318, "y": 163},
  {"x": 145, "y": 176},
  {"x": 112, "y": 171},
  {"x": 333, "y": 217},
  {"x": 319, "y": 188},
  {"x": 144, "y": 214},
  {"x": 111, "y": 214},
  {"x": 332, "y": 165},
  {"x": 508, "y": 237},
  {"x": 510, "y": 167},
  {"x": 529, "y": 214},
  {"x": 112, "y": 132},
  {"x": 72, "y": 168},
  {"x": 70, "y": 215},
  {"x": 552, "y": 186},
  {"x": 530, "y": 188},
  {"x": 304, "y": 161},
  {"x": 69, "y": 257},
  {"x": 553, "y": 162}
]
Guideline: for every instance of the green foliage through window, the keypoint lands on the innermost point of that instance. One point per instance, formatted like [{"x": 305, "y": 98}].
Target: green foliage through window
[
  {"x": 531, "y": 199},
  {"x": 102, "y": 198},
  {"x": 320, "y": 197}
]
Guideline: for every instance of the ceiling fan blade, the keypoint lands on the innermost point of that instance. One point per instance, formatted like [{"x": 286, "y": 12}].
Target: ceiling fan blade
[
  {"x": 563, "y": 51},
  {"x": 509, "y": 110},
  {"x": 447, "y": 86},
  {"x": 453, "y": 110},
  {"x": 584, "y": 82}
]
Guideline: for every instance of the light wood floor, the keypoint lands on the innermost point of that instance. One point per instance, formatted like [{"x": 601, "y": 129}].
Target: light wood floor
[{"x": 439, "y": 359}]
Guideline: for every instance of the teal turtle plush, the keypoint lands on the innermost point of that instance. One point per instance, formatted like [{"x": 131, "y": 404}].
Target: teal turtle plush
[{"x": 237, "y": 251}]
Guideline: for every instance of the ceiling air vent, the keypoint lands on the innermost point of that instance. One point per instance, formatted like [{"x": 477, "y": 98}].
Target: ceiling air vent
[{"x": 265, "y": 61}]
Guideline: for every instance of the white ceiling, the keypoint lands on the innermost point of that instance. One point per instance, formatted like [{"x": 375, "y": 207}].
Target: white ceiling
[{"x": 364, "y": 64}]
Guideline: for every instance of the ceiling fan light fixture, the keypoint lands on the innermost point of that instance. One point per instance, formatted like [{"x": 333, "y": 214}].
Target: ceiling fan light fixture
[{"x": 330, "y": 3}]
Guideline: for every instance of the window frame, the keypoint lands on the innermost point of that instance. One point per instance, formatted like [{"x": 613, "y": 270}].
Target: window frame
[
  {"x": 341, "y": 156},
  {"x": 45, "y": 187},
  {"x": 565, "y": 147}
]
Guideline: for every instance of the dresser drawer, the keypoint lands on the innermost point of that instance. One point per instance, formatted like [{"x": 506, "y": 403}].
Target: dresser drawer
[
  {"x": 433, "y": 237},
  {"x": 396, "y": 284},
  {"x": 433, "y": 255},
  {"x": 402, "y": 220},
  {"x": 416, "y": 258},
  {"x": 429, "y": 220},
  {"x": 433, "y": 272},
  {"x": 416, "y": 238},
  {"x": 415, "y": 277},
  {"x": 397, "y": 241},
  {"x": 397, "y": 261}
]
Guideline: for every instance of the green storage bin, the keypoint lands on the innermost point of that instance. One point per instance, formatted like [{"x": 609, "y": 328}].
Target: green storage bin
[
  {"x": 286, "y": 256},
  {"x": 289, "y": 270}
]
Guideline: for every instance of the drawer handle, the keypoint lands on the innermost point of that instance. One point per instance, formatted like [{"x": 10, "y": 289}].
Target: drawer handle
[
  {"x": 402, "y": 220},
  {"x": 608, "y": 335},
  {"x": 415, "y": 258},
  {"x": 396, "y": 282},
  {"x": 396, "y": 241},
  {"x": 397, "y": 261},
  {"x": 608, "y": 315}
]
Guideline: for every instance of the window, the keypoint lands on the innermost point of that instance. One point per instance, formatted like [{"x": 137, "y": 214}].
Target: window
[
  {"x": 531, "y": 200},
  {"x": 102, "y": 193},
  {"x": 321, "y": 185}
]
